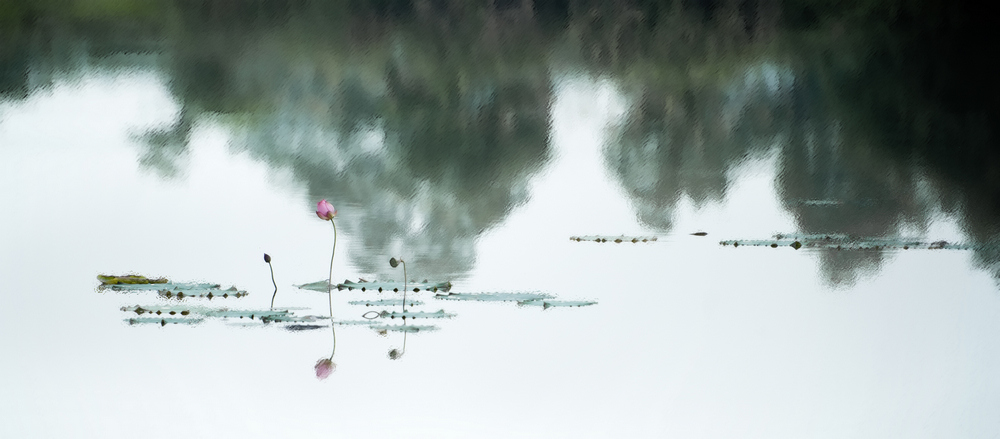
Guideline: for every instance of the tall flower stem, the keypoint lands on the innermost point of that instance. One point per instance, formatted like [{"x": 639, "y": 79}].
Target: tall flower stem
[
  {"x": 329, "y": 289},
  {"x": 273, "y": 282}
]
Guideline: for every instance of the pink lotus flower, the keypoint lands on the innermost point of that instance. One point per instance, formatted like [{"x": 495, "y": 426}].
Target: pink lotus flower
[
  {"x": 324, "y": 367},
  {"x": 325, "y": 210}
]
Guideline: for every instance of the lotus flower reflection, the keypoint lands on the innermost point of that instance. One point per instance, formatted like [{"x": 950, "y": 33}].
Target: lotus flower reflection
[{"x": 324, "y": 367}]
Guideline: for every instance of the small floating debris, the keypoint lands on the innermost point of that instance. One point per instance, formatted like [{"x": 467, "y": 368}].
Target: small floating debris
[
  {"x": 700, "y": 234},
  {"x": 615, "y": 239}
]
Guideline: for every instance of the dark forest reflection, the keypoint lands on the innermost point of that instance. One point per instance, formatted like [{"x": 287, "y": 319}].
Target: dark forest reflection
[
  {"x": 425, "y": 121},
  {"x": 423, "y": 142}
]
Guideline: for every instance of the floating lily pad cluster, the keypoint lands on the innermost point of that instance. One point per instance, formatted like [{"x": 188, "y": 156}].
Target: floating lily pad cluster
[
  {"x": 189, "y": 314},
  {"x": 845, "y": 242},
  {"x": 441, "y": 291}
]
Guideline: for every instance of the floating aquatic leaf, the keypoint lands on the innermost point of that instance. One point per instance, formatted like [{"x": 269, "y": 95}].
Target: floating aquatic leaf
[
  {"x": 818, "y": 202},
  {"x": 297, "y": 328},
  {"x": 320, "y": 285},
  {"x": 264, "y": 315},
  {"x": 494, "y": 297},
  {"x": 167, "y": 286},
  {"x": 386, "y": 302},
  {"x": 812, "y": 236},
  {"x": 353, "y": 322},
  {"x": 178, "y": 290},
  {"x": 440, "y": 314},
  {"x": 397, "y": 286},
  {"x": 546, "y": 304},
  {"x": 843, "y": 242},
  {"x": 616, "y": 239},
  {"x": 404, "y": 328},
  {"x": 129, "y": 279},
  {"x": 162, "y": 321},
  {"x": 379, "y": 286}
]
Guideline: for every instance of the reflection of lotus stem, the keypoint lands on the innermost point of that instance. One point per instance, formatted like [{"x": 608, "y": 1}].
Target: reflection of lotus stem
[
  {"x": 396, "y": 354},
  {"x": 273, "y": 282},
  {"x": 329, "y": 289}
]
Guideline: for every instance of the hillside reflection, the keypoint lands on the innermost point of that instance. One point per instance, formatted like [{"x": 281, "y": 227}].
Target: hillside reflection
[
  {"x": 426, "y": 121},
  {"x": 424, "y": 142}
]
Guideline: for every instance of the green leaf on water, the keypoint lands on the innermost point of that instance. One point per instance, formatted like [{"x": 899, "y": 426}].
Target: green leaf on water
[
  {"x": 128, "y": 279},
  {"x": 162, "y": 321},
  {"x": 321, "y": 286},
  {"x": 385, "y": 302},
  {"x": 844, "y": 242},
  {"x": 403, "y": 328},
  {"x": 440, "y": 314},
  {"x": 546, "y": 304},
  {"x": 615, "y": 239},
  {"x": 178, "y": 290},
  {"x": 494, "y": 297}
]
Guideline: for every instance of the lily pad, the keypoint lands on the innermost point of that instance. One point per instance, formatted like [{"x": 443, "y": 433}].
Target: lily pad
[
  {"x": 178, "y": 290},
  {"x": 385, "y": 302},
  {"x": 546, "y": 304},
  {"x": 615, "y": 239},
  {"x": 298, "y": 328},
  {"x": 404, "y": 328},
  {"x": 494, "y": 297},
  {"x": 396, "y": 286},
  {"x": 844, "y": 242},
  {"x": 321, "y": 286},
  {"x": 129, "y": 279},
  {"x": 440, "y": 314},
  {"x": 163, "y": 321},
  {"x": 264, "y": 315}
]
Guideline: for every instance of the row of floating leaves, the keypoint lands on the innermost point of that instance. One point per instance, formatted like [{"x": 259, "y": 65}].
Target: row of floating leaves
[
  {"x": 616, "y": 239},
  {"x": 323, "y": 286},
  {"x": 168, "y": 289},
  {"x": 835, "y": 242}
]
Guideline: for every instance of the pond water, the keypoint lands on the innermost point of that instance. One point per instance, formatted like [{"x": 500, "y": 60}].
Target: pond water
[{"x": 477, "y": 153}]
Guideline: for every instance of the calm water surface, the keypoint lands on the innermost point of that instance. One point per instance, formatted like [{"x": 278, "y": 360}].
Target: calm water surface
[{"x": 474, "y": 153}]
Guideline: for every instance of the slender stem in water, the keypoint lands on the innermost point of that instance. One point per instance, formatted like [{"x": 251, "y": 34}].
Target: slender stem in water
[
  {"x": 329, "y": 289},
  {"x": 275, "y": 285},
  {"x": 404, "y": 286},
  {"x": 329, "y": 281}
]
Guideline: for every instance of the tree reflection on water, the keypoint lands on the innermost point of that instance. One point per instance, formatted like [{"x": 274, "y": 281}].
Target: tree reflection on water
[{"x": 428, "y": 120}]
